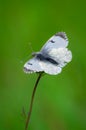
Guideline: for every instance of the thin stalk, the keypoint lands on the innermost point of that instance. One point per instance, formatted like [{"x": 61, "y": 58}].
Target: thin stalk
[{"x": 32, "y": 99}]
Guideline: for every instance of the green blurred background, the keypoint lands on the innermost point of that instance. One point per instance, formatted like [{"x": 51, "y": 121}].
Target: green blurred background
[{"x": 60, "y": 101}]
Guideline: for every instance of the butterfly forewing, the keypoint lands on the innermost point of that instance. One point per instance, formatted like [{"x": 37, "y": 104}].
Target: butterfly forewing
[{"x": 59, "y": 40}]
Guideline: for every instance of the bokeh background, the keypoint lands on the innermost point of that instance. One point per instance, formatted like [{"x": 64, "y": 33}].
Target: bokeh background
[{"x": 60, "y": 101}]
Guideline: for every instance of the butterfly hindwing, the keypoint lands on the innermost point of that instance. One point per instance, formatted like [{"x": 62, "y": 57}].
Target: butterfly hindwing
[{"x": 36, "y": 65}]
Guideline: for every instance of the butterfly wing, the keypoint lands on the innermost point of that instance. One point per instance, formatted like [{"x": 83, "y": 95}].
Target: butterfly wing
[
  {"x": 55, "y": 48},
  {"x": 49, "y": 68},
  {"x": 36, "y": 65},
  {"x": 32, "y": 66},
  {"x": 59, "y": 40}
]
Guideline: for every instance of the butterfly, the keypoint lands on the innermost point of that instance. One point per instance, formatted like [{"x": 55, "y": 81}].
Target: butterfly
[{"x": 52, "y": 57}]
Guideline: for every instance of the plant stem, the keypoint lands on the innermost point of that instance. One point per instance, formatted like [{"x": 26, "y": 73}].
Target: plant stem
[{"x": 32, "y": 99}]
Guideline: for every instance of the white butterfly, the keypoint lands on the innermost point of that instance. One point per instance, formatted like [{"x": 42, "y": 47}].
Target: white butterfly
[{"x": 52, "y": 57}]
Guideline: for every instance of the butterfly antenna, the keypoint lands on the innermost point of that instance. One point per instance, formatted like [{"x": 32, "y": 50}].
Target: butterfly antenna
[
  {"x": 31, "y": 48},
  {"x": 30, "y": 55}
]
